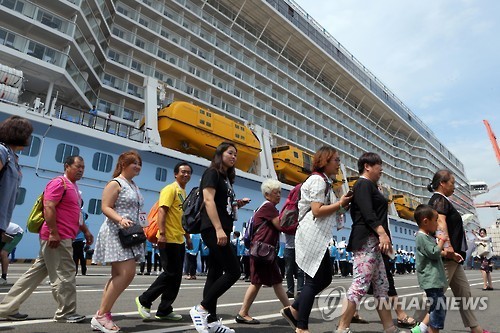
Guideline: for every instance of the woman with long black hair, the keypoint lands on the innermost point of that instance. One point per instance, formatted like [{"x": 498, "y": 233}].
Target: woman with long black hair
[{"x": 217, "y": 217}]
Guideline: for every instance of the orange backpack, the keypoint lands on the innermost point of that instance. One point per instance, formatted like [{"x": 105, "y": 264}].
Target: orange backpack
[{"x": 152, "y": 229}]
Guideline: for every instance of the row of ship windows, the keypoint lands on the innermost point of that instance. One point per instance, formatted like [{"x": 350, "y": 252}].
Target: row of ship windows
[
  {"x": 404, "y": 247},
  {"x": 100, "y": 162},
  {"x": 94, "y": 206},
  {"x": 407, "y": 248},
  {"x": 404, "y": 231}
]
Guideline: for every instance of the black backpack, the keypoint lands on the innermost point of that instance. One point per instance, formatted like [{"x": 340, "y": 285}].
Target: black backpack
[{"x": 191, "y": 218}]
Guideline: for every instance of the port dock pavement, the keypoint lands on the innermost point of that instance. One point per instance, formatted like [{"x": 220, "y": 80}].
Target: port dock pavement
[{"x": 41, "y": 306}]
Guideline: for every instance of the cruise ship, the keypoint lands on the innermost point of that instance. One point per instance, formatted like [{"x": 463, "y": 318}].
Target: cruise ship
[{"x": 263, "y": 64}]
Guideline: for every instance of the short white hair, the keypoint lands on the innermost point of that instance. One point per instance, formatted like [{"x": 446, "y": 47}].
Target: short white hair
[{"x": 269, "y": 185}]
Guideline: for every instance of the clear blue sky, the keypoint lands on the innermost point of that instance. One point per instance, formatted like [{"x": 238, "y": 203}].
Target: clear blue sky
[{"x": 441, "y": 58}]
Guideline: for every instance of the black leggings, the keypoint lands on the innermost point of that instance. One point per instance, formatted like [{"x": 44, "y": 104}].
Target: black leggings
[
  {"x": 223, "y": 272},
  {"x": 191, "y": 264},
  {"x": 143, "y": 265},
  {"x": 312, "y": 287},
  {"x": 78, "y": 256}
]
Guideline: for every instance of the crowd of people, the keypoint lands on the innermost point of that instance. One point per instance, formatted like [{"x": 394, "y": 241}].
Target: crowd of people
[{"x": 307, "y": 260}]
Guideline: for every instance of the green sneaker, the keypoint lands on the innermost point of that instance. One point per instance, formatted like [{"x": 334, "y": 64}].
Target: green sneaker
[
  {"x": 416, "y": 329},
  {"x": 171, "y": 316},
  {"x": 143, "y": 311}
]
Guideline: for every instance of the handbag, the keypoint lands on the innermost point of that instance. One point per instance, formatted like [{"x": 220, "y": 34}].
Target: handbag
[
  {"x": 131, "y": 236},
  {"x": 263, "y": 252},
  {"x": 483, "y": 249}
]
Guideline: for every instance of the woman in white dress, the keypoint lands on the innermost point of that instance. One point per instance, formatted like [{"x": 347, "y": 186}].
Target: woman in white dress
[{"x": 122, "y": 204}]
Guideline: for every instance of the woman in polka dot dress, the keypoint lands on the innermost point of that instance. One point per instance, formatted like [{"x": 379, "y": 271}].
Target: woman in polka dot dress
[{"x": 122, "y": 204}]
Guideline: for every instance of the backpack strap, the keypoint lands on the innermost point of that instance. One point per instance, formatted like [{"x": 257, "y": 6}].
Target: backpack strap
[
  {"x": 263, "y": 223},
  {"x": 327, "y": 188},
  {"x": 324, "y": 178},
  {"x": 65, "y": 186},
  {"x": 260, "y": 226}
]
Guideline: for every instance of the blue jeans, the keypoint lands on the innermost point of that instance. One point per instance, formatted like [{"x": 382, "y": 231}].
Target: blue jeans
[{"x": 437, "y": 311}]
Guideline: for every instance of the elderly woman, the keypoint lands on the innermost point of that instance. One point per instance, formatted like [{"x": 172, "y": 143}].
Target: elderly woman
[
  {"x": 267, "y": 225},
  {"x": 369, "y": 239},
  {"x": 318, "y": 209},
  {"x": 450, "y": 225}
]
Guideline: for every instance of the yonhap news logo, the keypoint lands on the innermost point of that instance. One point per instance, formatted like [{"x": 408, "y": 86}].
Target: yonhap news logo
[{"x": 330, "y": 303}]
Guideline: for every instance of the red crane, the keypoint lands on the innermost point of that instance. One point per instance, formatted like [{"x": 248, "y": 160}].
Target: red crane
[
  {"x": 488, "y": 204},
  {"x": 496, "y": 149},
  {"x": 493, "y": 140}
]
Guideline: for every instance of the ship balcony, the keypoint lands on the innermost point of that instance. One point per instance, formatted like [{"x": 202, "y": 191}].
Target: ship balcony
[
  {"x": 36, "y": 13},
  {"x": 32, "y": 48},
  {"x": 44, "y": 54}
]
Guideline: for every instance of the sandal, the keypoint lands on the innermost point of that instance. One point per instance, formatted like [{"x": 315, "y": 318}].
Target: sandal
[
  {"x": 394, "y": 330},
  {"x": 104, "y": 323},
  {"x": 407, "y": 322},
  {"x": 359, "y": 320}
]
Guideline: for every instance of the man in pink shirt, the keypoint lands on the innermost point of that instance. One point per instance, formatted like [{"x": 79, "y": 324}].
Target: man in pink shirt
[{"x": 63, "y": 220}]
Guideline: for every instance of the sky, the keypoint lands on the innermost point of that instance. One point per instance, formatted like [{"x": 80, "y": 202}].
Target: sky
[{"x": 442, "y": 59}]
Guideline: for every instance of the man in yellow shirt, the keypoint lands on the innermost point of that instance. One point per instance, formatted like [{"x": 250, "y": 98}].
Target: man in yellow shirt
[{"x": 172, "y": 248}]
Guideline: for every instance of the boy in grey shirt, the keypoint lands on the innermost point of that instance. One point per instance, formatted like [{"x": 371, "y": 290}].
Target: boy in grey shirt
[{"x": 430, "y": 268}]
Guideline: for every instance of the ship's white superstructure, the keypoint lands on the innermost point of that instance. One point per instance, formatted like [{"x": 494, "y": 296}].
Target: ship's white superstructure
[{"x": 264, "y": 62}]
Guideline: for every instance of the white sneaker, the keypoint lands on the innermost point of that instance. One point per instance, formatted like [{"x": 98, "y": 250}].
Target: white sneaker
[
  {"x": 3, "y": 282},
  {"x": 218, "y": 327},
  {"x": 199, "y": 318}
]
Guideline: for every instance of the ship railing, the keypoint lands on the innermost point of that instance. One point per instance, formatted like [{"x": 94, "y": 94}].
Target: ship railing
[{"x": 104, "y": 122}]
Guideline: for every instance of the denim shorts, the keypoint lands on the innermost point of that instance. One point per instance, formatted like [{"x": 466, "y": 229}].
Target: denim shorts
[{"x": 437, "y": 311}]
